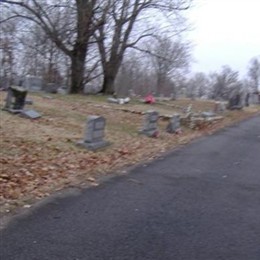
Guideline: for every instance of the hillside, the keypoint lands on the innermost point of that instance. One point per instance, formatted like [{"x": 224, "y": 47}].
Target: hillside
[{"x": 39, "y": 157}]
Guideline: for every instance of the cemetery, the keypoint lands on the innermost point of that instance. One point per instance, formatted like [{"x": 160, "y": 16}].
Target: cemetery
[{"x": 76, "y": 143}]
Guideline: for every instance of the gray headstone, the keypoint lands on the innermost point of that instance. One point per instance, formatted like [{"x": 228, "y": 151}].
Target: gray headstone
[
  {"x": 207, "y": 114},
  {"x": 15, "y": 99},
  {"x": 94, "y": 133},
  {"x": 8, "y": 100},
  {"x": 235, "y": 101},
  {"x": 174, "y": 124},
  {"x": 28, "y": 102},
  {"x": 32, "y": 114},
  {"x": 254, "y": 99},
  {"x": 220, "y": 107},
  {"x": 51, "y": 88},
  {"x": 33, "y": 83},
  {"x": 150, "y": 123}
]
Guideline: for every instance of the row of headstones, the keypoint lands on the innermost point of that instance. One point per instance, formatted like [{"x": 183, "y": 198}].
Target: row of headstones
[
  {"x": 33, "y": 83},
  {"x": 95, "y": 129}
]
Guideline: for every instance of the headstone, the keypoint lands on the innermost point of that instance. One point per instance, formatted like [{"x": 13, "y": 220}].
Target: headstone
[
  {"x": 220, "y": 107},
  {"x": 9, "y": 99},
  {"x": 95, "y": 132},
  {"x": 28, "y": 102},
  {"x": 51, "y": 88},
  {"x": 247, "y": 97},
  {"x": 235, "y": 102},
  {"x": 31, "y": 114},
  {"x": 254, "y": 98},
  {"x": 15, "y": 99},
  {"x": 150, "y": 124},
  {"x": 174, "y": 124},
  {"x": 188, "y": 109},
  {"x": 120, "y": 101},
  {"x": 207, "y": 114},
  {"x": 19, "y": 94},
  {"x": 33, "y": 83}
]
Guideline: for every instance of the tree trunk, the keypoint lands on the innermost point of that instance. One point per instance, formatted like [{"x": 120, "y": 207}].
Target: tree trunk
[
  {"x": 77, "y": 71},
  {"x": 110, "y": 73},
  {"x": 108, "y": 84}
]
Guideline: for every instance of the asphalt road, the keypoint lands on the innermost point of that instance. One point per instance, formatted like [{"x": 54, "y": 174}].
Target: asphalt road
[{"x": 198, "y": 202}]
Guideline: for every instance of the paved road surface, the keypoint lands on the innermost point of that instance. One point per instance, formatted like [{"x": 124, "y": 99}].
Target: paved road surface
[{"x": 199, "y": 202}]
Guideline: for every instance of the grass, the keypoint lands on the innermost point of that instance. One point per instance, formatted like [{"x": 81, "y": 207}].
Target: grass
[{"x": 40, "y": 157}]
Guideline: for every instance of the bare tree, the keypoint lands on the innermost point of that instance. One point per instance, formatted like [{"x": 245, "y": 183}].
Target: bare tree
[
  {"x": 254, "y": 73},
  {"x": 224, "y": 82},
  {"x": 69, "y": 24},
  {"x": 169, "y": 58},
  {"x": 135, "y": 76},
  {"x": 121, "y": 18},
  {"x": 7, "y": 52},
  {"x": 198, "y": 86},
  {"x": 40, "y": 56}
]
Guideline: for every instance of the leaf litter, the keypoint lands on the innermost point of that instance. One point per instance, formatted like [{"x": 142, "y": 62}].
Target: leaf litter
[{"x": 39, "y": 158}]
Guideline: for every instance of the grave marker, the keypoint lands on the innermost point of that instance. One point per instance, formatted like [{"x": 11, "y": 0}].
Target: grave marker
[
  {"x": 174, "y": 124},
  {"x": 19, "y": 95},
  {"x": 31, "y": 114},
  {"x": 94, "y": 133},
  {"x": 150, "y": 124}
]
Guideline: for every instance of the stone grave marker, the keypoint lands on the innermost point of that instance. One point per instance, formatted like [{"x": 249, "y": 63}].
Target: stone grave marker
[
  {"x": 9, "y": 99},
  {"x": 33, "y": 83},
  {"x": 254, "y": 98},
  {"x": 94, "y": 133},
  {"x": 207, "y": 114},
  {"x": 15, "y": 100},
  {"x": 174, "y": 124},
  {"x": 235, "y": 102},
  {"x": 220, "y": 107},
  {"x": 150, "y": 124},
  {"x": 51, "y": 88},
  {"x": 31, "y": 114}
]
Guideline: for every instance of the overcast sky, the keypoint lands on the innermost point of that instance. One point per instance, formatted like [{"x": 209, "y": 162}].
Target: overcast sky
[{"x": 225, "y": 32}]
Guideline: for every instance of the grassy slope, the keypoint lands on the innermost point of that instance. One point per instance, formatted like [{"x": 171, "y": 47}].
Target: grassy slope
[{"x": 39, "y": 157}]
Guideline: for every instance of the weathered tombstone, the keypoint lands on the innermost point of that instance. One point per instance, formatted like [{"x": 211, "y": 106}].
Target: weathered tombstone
[
  {"x": 174, "y": 124},
  {"x": 150, "y": 124},
  {"x": 220, "y": 107},
  {"x": 187, "y": 109},
  {"x": 207, "y": 114},
  {"x": 31, "y": 114},
  {"x": 254, "y": 98},
  {"x": 51, "y": 88},
  {"x": 29, "y": 102},
  {"x": 235, "y": 102},
  {"x": 19, "y": 95},
  {"x": 95, "y": 132},
  {"x": 9, "y": 99},
  {"x": 33, "y": 83},
  {"x": 247, "y": 99}
]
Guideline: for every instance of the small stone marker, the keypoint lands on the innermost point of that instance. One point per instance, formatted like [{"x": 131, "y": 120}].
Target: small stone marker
[
  {"x": 51, "y": 88},
  {"x": 174, "y": 124},
  {"x": 150, "y": 124},
  {"x": 9, "y": 99},
  {"x": 220, "y": 107},
  {"x": 207, "y": 114},
  {"x": 235, "y": 102},
  {"x": 15, "y": 100},
  {"x": 32, "y": 114},
  {"x": 28, "y": 102},
  {"x": 95, "y": 132}
]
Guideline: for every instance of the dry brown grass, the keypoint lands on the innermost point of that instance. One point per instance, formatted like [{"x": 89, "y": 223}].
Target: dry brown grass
[{"x": 40, "y": 157}]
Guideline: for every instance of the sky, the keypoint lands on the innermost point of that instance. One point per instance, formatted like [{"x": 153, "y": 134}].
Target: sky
[{"x": 226, "y": 32}]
